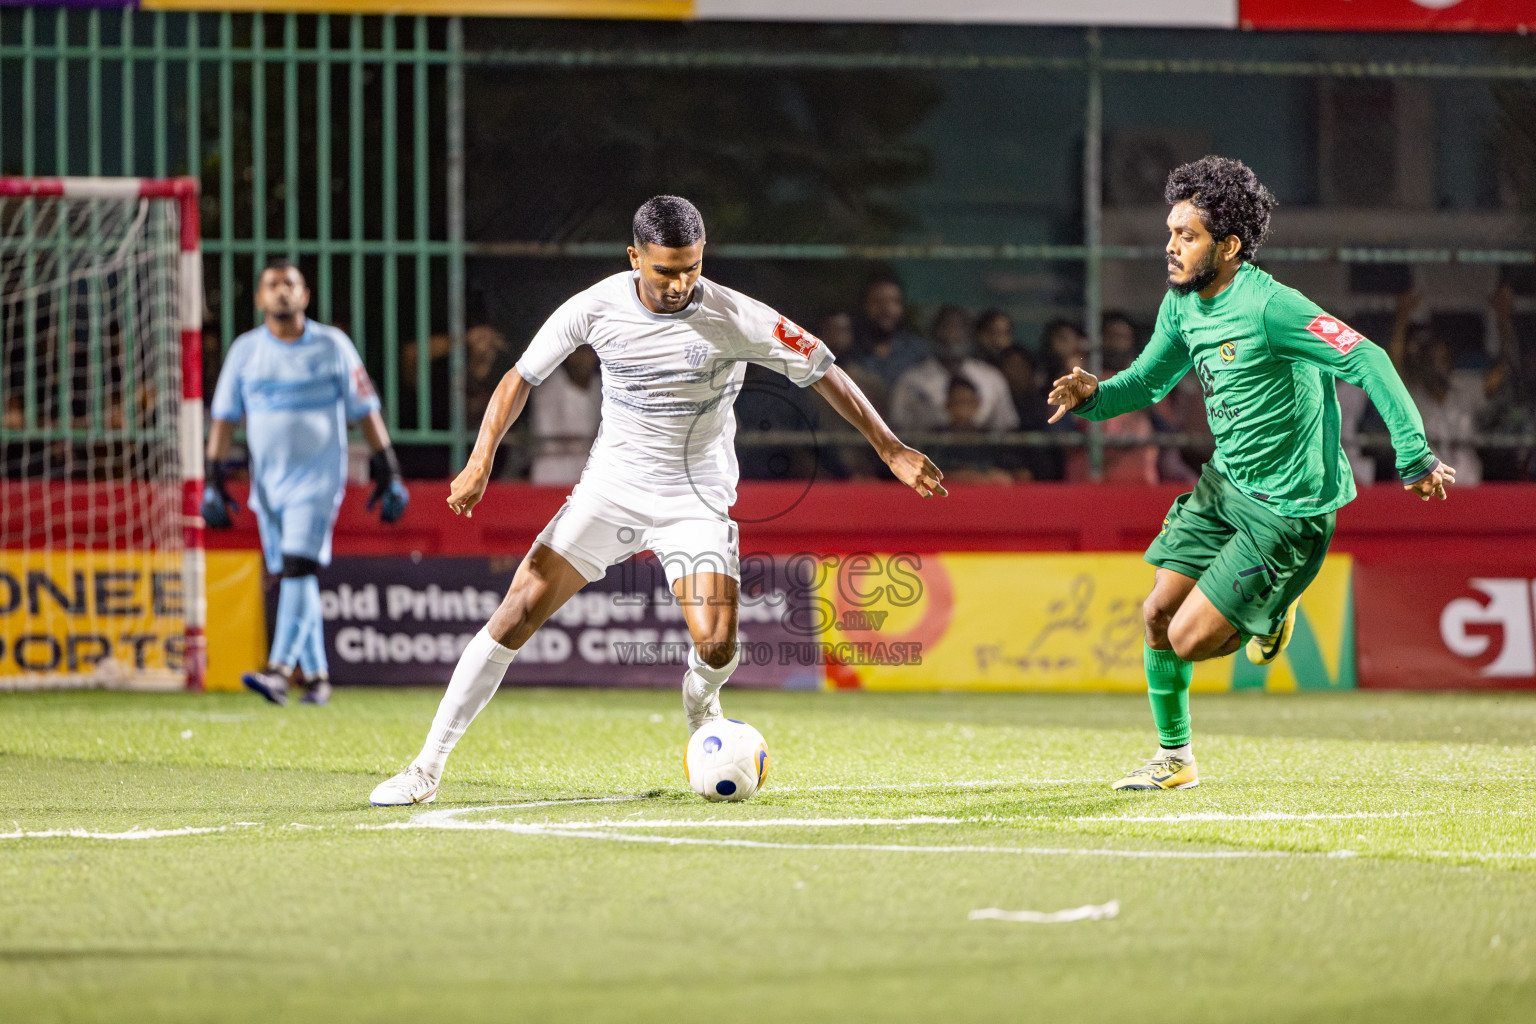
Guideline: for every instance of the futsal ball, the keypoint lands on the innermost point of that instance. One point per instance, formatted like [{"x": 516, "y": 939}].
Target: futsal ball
[{"x": 726, "y": 760}]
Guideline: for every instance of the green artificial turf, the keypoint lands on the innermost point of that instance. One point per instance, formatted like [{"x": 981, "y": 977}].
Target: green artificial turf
[{"x": 1386, "y": 864}]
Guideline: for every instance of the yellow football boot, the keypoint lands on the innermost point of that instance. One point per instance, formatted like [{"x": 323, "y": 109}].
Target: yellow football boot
[
  {"x": 1262, "y": 650},
  {"x": 1166, "y": 772}
]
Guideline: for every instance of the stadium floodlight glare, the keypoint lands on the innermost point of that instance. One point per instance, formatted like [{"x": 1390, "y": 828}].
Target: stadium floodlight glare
[{"x": 101, "y": 425}]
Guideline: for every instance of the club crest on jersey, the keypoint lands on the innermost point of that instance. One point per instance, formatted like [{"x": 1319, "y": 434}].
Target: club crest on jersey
[
  {"x": 1335, "y": 333},
  {"x": 1228, "y": 351},
  {"x": 790, "y": 333},
  {"x": 361, "y": 384},
  {"x": 695, "y": 354}
]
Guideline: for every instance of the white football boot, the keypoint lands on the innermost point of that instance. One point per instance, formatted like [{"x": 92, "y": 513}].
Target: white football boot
[
  {"x": 701, "y": 710},
  {"x": 412, "y": 786}
]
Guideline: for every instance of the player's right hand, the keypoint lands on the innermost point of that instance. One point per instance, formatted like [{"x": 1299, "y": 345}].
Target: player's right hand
[
  {"x": 917, "y": 471},
  {"x": 467, "y": 489},
  {"x": 218, "y": 506},
  {"x": 1434, "y": 485},
  {"x": 1071, "y": 391}
]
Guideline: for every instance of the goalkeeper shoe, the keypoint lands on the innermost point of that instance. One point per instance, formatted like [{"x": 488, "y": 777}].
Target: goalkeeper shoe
[
  {"x": 412, "y": 786},
  {"x": 271, "y": 683},
  {"x": 1163, "y": 772},
  {"x": 317, "y": 690},
  {"x": 701, "y": 710},
  {"x": 1262, "y": 650}
]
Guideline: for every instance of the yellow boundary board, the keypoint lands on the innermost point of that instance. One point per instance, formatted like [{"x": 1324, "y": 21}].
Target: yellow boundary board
[{"x": 1053, "y": 622}]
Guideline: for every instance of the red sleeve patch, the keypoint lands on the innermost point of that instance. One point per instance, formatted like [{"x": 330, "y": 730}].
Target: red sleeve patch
[
  {"x": 1336, "y": 333},
  {"x": 361, "y": 384},
  {"x": 791, "y": 334}
]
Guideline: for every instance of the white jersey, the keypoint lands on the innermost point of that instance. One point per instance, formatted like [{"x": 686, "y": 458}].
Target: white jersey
[{"x": 670, "y": 380}]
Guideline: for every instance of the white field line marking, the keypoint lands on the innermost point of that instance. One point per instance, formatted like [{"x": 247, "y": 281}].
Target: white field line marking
[
  {"x": 428, "y": 818},
  {"x": 959, "y": 784},
  {"x": 921, "y": 819},
  {"x": 1090, "y": 912},
  {"x": 133, "y": 833},
  {"x": 432, "y": 818},
  {"x": 1478, "y": 855},
  {"x": 1252, "y": 816},
  {"x": 446, "y": 820}
]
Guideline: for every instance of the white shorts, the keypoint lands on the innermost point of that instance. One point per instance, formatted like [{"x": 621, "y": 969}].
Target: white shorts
[{"x": 593, "y": 533}]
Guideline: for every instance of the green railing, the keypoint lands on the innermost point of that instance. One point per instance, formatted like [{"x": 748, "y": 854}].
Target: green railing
[{"x": 345, "y": 139}]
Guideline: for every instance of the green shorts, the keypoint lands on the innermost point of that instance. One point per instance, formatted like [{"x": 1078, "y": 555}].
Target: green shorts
[{"x": 1251, "y": 563}]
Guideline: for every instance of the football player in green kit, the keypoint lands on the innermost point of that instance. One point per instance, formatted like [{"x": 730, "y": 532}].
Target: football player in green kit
[{"x": 1235, "y": 555}]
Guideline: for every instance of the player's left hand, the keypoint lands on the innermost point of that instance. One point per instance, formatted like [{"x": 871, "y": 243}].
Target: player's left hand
[
  {"x": 1435, "y": 484},
  {"x": 917, "y": 471},
  {"x": 391, "y": 497},
  {"x": 388, "y": 492}
]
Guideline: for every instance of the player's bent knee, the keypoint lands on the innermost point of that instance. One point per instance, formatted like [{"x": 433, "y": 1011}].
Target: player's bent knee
[
  {"x": 1186, "y": 648},
  {"x": 717, "y": 653},
  {"x": 1193, "y": 643},
  {"x": 1156, "y": 615}
]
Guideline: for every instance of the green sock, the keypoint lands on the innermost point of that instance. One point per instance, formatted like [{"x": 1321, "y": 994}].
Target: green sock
[{"x": 1168, "y": 677}]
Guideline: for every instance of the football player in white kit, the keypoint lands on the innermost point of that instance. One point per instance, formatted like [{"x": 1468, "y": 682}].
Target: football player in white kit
[{"x": 662, "y": 474}]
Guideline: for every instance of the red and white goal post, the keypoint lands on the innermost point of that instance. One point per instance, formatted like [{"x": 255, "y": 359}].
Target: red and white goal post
[{"x": 101, "y": 434}]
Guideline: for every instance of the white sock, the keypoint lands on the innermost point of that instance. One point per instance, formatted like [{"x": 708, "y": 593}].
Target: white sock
[
  {"x": 474, "y": 682},
  {"x": 1185, "y": 753},
  {"x": 704, "y": 681}
]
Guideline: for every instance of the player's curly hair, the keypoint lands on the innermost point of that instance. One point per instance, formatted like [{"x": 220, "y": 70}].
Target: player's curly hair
[
  {"x": 671, "y": 222},
  {"x": 1229, "y": 197}
]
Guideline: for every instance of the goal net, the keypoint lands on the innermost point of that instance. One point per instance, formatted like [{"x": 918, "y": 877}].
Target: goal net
[{"x": 101, "y": 561}]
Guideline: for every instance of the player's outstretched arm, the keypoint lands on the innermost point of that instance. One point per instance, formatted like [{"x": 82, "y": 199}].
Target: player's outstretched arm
[
  {"x": 505, "y": 407},
  {"x": 1298, "y": 329},
  {"x": 911, "y": 466}
]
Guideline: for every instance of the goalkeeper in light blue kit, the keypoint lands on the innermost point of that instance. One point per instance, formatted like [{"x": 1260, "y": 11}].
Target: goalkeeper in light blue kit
[{"x": 296, "y": 384}]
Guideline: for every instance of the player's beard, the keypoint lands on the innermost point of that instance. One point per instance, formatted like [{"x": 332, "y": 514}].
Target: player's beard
[{"x": 1203, "y": 275}]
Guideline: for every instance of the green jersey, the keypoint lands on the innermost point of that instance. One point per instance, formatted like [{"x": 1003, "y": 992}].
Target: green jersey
[{"x": 1266, "y": 356}]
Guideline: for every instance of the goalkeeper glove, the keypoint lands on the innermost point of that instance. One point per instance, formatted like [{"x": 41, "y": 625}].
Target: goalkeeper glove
[
  {"x": 218, "y": 506},
  {"x": 388, "y": 492}
]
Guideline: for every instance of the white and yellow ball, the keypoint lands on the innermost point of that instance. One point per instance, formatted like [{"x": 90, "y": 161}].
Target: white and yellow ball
[{"x": 726, "y": 760}]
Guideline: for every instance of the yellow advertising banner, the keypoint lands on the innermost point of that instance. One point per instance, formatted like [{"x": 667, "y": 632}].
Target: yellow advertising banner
[
  {"x": 114, "y": 618},
  {"x": 237, "y": 618},
  {"x": 93, "y": 617},
  {"x": 1057, "y": 622}
]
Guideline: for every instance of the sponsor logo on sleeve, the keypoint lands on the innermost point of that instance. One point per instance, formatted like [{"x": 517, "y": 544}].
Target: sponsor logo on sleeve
[
  {"x": 361, "y": 384},
  {"x": 1335, "y": 333},
  {"x": 791, "y": 334}
]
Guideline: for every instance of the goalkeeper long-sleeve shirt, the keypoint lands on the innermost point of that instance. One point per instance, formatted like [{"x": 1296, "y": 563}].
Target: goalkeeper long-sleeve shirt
[{"x": 1266, "y": 356}]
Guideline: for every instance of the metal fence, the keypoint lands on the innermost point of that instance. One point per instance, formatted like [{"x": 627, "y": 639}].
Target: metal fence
[
  {"x": 341, "y": 157},
  {"x": 346, "y": 151}
]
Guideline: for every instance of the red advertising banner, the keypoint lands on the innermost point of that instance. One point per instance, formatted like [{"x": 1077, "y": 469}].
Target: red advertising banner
[
  {"x": 1433, "y": 625},
  {"x": 1390, "y": 15}
]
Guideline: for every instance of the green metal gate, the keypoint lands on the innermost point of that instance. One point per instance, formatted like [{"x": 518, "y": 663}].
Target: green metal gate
[{"x": 368, "y": 110}]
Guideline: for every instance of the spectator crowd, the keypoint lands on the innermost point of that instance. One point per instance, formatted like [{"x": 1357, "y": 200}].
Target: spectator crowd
[{"x": 972, "y": 394}]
